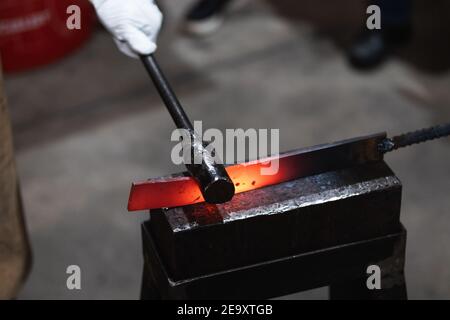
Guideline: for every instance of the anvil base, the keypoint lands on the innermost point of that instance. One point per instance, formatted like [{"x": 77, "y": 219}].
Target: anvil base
[{"x": 342, "y": 268}]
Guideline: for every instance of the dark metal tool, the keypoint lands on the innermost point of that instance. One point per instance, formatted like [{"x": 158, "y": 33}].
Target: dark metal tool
[
  {"x": 212, "y": 178},
  {"x": 415, "y": 137}
]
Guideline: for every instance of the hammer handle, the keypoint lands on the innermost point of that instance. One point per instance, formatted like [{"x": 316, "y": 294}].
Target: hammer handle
[
  {"x": 167, "y": 95},
  {"x": 212, "y": 178}
]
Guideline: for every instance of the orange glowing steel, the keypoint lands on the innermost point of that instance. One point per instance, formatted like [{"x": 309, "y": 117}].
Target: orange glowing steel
[
  {"x": 183, "y": 190},
  {"x": 180, "y": 191}
]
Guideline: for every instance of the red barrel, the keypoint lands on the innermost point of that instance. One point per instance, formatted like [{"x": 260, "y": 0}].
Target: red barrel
[{"x": 37, "y": 32}]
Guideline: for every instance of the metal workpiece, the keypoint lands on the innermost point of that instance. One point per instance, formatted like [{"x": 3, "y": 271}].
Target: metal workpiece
[
  {"x": 179, "y": 190},
  {"x": 214, "y": 182}
]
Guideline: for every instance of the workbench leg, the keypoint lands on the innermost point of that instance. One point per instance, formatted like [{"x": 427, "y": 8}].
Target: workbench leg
[{"x": 148, "y": 288}]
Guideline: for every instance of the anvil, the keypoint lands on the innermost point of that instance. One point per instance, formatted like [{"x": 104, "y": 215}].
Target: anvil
[{"x": 348, "y": 198}]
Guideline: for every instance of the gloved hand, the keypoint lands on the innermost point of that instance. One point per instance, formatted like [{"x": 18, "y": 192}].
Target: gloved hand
[{"x": 134, "y": 24}]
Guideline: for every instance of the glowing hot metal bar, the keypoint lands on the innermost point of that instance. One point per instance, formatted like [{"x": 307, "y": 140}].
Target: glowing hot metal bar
[{"x": 181, "y": 190}]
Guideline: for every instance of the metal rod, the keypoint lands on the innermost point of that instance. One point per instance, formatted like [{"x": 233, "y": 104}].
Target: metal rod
[
  {"x": 167, "y": 95},
  {"x": 212, "y": 178},
  {"x": 410, "y": 138}
]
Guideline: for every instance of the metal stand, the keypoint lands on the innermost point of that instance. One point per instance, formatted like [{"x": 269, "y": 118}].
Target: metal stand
[
  {"x": 320, "y": 230},
  {"x": 342, "y": 268}
]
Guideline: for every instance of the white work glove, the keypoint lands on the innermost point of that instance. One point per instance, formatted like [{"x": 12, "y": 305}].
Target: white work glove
[{"x": 134, "y": 24}]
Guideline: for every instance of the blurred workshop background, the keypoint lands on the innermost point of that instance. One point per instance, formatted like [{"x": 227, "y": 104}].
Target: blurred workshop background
[{"x": 88, "y": 125}]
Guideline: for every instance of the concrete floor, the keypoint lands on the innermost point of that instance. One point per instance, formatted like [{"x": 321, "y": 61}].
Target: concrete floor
[{"x": 88, "y": 126}]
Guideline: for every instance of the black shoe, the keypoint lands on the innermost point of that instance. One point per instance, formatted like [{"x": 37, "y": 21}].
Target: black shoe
[
  {"x": 206, "y": 16},
  {"x": 372, "y": 48}
]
